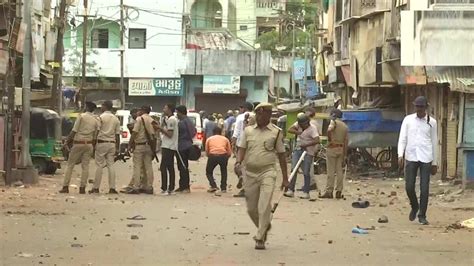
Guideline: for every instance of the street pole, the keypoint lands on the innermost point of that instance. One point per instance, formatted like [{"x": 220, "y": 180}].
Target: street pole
[
  {"x": 293, "y": 81},
  {"x": 122, "y": 50},
  {"x": 305, "y": 76},
  {"x": 84, "y": 48},
  {"x": 25, "y": 161},
  {"x": 56, "y": 91},
  {"x": 278, "y": 78}
]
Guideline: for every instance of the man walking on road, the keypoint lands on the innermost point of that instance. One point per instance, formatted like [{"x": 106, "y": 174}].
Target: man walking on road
[
  {"x": 218, "y": 150},
  {"x": 82, "y": 138},
  {"x": 169, "y": 145},
  {"x": 417, "y": 142},
  {"x": 338, "y": 138},
  {"x": 307, "y": 138},
  {"x": 186, "y": 133},
  {"x": 241, "y": 122},
  {"x": 108, "y": 141},
  {"x": 142, "y": 152},
  {"x": 258, "y": 148}
]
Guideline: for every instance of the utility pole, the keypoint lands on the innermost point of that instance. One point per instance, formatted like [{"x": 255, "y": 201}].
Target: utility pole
[
  {"x": 84, "y": 47},
  {"x": 56, "y": 91},
  {"x": 25, "y": 163},
  {"x": 122, "y": 50},
  {"x": 10, "y": 79},
  {"x": 305, "y": 76},
  {"x": 293, "y": 81},
  {"x": 28, "y": 172}
]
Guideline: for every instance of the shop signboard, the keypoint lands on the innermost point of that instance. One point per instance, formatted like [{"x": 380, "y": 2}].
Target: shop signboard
[
  {"x": 155, "y": 87},
  {"x": 221, "y": 84}
]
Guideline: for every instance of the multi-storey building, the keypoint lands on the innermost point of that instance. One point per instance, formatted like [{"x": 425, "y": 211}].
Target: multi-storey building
[{"x": 387, "y": 52}]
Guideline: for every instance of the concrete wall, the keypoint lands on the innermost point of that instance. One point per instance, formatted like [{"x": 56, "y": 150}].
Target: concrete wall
[
  {"x": 93, "y": 24},
  {"x": 448, "y": 34},
  {"x": 216, "y": 62},
  {"x": 163, "y": 54},
  {"x": 246, "y": 17}
]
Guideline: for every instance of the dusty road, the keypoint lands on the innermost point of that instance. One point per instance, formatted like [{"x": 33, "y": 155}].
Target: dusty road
[{"x": 39, "y": 226}]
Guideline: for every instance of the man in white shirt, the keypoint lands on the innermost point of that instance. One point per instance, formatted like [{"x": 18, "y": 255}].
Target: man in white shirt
[
  {"x": 169, "y": 146},
  {"x": 417, "y": 142},
  {"x": 241, "y": 122}
]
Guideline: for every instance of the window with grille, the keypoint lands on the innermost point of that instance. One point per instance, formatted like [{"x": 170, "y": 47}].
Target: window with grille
[
  {"x": 137, "y": 38},
  {"x": 100, "y": 38},
  {"x": 367, "y": 3}
]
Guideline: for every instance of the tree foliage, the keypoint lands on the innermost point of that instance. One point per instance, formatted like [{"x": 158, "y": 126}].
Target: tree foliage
[{"x": 299, "y": 13}]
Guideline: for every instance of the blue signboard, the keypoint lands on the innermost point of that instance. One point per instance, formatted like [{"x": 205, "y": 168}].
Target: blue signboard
[
  {"x": 312, "y": 88},
  {"x": 298, "y": 69}
]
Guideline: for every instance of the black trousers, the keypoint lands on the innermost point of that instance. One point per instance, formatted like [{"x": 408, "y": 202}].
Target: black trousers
[
  {"x": 167, "y": 167},
  {"x": 212, "y": 162},
  {"x": 411, "y": 170},
  {"x": 183, "y": 167}
]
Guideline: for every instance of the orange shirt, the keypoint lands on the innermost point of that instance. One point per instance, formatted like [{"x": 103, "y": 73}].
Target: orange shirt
[{"x": 218, "y": 145}]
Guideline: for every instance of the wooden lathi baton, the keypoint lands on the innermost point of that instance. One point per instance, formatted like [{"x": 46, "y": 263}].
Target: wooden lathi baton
[{"x": 292, "y": 175}]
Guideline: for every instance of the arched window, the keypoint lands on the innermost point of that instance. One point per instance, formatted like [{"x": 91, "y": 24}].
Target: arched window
[{"x": 206, "y": 14}]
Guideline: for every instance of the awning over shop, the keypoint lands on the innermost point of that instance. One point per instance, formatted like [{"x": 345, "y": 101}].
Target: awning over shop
[{"x": 460, "y": 79}]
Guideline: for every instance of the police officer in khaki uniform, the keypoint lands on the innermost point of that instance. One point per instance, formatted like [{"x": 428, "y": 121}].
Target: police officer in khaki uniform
[
  {"x": 142, "y": 152},
  {"x": 258, "y": 150},
  {"x": 107, "y": 146},
  {"x": 82, "y": 138},
  {"x": 338, "y": 138},
  {"x": 135, "y": 113}
]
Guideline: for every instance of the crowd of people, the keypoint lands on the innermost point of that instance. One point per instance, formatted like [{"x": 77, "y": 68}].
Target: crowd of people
[{"x": 257, "y": 145}]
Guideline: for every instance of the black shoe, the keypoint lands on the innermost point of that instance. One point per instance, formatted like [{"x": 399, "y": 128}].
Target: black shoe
[
  {"x": 241, "y": 183},
  {"x": 241, "y": 194},
  {"x": 212, "y": 190},
  {"x": 327, "y": 195},
  {"x": 82, "y": 190},
  {"x": 94, "y": 191},
  {"x": 259, "y": 244},
  {"x": 125, "y": 189},
  {"x": 148, "y": 191},
  {"x": 339, "y": 195},
  {"x": 132, "y": 191},
  {"x": 113, "y": 191},
  {"x": 179, "y": 190},
  {"x": 423, "y": 221},
  {"x": 65, "y": 189},
  {"x": 413, "y": 213},
  {"x": 311, "y": 187}
]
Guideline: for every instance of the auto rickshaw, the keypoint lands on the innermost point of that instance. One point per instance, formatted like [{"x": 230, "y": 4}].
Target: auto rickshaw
[{"x": 45, "y": 150}]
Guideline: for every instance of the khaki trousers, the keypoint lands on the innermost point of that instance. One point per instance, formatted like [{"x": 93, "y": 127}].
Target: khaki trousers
[
  {"x": 79, "y": 153},
  {"x": 104, "y": 157},
  {"x": 259, "y": 189},
  {"x": 335, "y": 158},
  {"x": 142, "y": 159}
]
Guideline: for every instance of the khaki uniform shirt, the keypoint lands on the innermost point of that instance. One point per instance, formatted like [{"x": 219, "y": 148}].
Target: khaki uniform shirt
[
  {"x": 144, "y": 121},
  {"x": 109, "y": 126},
  {"x": 86, "y": 126},
  {"x": 339, "y": 131},
  {"x": 262, "y": 145}
]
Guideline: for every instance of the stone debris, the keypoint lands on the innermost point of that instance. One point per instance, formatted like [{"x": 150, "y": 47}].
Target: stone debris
[
  {"x": 134, "y": 225},
  {"x": 383, "y": 219},
  {"x": 134, "y": 237}
]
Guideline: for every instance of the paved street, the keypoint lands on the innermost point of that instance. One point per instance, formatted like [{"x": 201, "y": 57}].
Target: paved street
[{"x": 39, "y": 226}]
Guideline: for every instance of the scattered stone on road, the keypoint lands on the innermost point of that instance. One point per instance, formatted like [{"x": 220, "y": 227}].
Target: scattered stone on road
[
  {"x": 134, "y": 225},
  {"x": 383, "y": 219},
  {"x": 134, "y": 237}
]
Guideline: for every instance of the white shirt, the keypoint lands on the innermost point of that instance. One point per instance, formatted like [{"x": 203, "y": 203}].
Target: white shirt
[
  {"x": 239, "y": 126},
  {"x": 170, "y": 123},
  {"x": 418, "y": 139}
]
